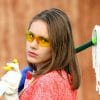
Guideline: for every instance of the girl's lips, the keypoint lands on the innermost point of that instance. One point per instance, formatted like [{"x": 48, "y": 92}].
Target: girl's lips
[{"x": 32, "y": 54}]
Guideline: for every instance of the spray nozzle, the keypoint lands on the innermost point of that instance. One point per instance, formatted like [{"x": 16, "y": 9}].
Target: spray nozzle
[{"x": 9, "y": 66}]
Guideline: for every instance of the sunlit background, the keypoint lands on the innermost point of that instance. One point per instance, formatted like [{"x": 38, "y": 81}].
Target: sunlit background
[{"x": 15, "y": 16}]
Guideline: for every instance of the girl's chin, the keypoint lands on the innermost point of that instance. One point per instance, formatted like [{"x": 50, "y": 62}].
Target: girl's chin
[{"x": 32, "y": 60}]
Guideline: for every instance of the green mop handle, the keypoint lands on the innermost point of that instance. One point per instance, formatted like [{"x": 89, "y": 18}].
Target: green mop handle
[{"x": 86, "y": 45}]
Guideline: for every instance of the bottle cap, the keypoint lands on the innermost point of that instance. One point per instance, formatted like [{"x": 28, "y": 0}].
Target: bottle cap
[{"x": 29, "y": 75}]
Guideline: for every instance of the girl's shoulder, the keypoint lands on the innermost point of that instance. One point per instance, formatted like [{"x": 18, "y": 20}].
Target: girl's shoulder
[
  {"x": 53, "y": 82},
  {"x": 54, "y": 77}
]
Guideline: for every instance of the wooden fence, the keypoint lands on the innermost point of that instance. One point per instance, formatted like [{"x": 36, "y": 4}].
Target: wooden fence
[{"x": 15, "y": 16}]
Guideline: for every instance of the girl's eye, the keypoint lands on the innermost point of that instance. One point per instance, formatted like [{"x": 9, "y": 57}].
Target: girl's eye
[
  {"x": 43, "y": 39},
  {"x": 29, "y": 36}
]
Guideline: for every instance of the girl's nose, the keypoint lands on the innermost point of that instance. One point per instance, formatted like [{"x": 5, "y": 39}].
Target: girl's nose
[{"x": 34, "y": 44}]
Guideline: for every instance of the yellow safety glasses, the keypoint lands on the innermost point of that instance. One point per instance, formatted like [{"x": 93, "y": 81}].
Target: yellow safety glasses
[{"x": 43, "y": 42}]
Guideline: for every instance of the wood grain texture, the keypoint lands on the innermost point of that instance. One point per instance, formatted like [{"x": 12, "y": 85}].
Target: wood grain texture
[{"x": 15, "y": 16}]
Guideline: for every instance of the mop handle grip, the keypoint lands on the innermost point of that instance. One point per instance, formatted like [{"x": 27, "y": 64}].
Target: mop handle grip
[
  {"x": 84, "y": 46},
  {"x": 88, "y": 44}
]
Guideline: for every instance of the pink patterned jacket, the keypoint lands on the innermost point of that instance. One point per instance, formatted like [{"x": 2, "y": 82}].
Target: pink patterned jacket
[{"x": 51, "y": 86}]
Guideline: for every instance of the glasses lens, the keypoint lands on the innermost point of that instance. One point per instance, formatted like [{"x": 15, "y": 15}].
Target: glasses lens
[
  {"x": 29, "y": 36},
  {"x": 44, "y": 42}
]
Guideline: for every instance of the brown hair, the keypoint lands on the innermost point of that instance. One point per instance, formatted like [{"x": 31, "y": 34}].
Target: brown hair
[{"x": 62, "y": 44}]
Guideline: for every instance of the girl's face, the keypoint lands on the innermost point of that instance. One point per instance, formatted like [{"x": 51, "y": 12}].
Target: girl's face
[{"x": 36, "y": 52}]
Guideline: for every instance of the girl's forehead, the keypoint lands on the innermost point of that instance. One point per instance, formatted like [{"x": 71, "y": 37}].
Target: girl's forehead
[{"x": 39, "y": 27}]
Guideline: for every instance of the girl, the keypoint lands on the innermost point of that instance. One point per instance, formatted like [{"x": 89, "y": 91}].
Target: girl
[{"x": 50, "y": 50}]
